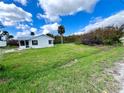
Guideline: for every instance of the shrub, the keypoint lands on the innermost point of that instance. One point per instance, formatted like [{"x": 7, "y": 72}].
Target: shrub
[
  {"x": 13, "y": 43},
  {"x": 106, "y": 36},
  {"x": 68, "y": 39}
]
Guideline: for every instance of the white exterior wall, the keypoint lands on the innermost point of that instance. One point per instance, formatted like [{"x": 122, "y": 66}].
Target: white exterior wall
[
  {"x": 43, "y": 42},
  {"x": 3, "y": 43},
  {"x": 21, "y": 47}
]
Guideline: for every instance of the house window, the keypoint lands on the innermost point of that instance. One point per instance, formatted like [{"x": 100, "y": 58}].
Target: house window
[
  {"x": 22, "y": 43},
  {"x": 34, "y": 42},
  {"x": 50, "y": 41}
]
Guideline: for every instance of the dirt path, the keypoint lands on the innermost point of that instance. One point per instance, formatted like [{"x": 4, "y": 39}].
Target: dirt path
[
  {"x": 3, "y": 51},
  {"x": 118, "y": 73}
]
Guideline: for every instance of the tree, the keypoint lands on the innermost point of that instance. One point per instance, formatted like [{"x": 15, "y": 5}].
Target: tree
[
  {"x": 6, "y": 35},
  {"x": 108, "y": 36},
  {"x": 11, "y": 37},
  {"x": 121, "y": 27},
  {"x": 3, "y": 34},
  {"x": 61, "y": 31}
]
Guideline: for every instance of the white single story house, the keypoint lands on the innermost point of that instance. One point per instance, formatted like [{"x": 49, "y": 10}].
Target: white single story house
[
  {"x": 40, "y": 41},
  {"x": 3, "y": 43}
]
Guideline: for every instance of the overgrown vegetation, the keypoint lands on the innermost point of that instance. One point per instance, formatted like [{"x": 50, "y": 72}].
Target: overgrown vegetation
[
  {"x": 12, "y": 43},
  {"x": 66, "y": 68},
  {"x": 68, "y": 39},
  {"x": 104, "y": 36}
]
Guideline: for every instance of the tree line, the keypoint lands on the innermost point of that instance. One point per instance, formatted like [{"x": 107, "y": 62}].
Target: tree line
[
  {"x": 109, "y": 35},
  {"x": 106, "y": 36}
]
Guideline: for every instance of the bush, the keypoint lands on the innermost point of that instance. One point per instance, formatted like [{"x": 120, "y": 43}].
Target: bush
[
  {"x": 105, "y": 36},
  {"x": 68, "y": 39},
  {"x": 13, "y": 43}
]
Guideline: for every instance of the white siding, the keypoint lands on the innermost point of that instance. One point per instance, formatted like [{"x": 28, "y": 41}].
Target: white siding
[
  {"x": 43, "y": 42},
  {"x": 3, "y": 43},
  {"x": 22, "y": 47}
]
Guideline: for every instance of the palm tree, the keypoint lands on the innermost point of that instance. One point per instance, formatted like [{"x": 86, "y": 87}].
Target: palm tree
[{"x": 61, "y": 31}]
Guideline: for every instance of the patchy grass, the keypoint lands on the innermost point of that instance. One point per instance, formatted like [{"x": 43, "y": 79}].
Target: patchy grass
[{"x": 64, "y": 68}]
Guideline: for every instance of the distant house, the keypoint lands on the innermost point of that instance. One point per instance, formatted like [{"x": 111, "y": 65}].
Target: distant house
[
  {"x": 3, "y": 42},
  {"x": 40, "y": 41}
]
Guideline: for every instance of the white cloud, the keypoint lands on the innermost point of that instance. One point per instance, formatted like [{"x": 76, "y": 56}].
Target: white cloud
[
  {"x": 49, "y": 28},
  {"x": 26, "y": 30},
  {"x": 116, "y": 20},
  {"x": 33, "y": 29},
  {"x": 23, "y": 33},
  {"x": 23, "y": 27},
  {"x": 40, "y": 16},
  {"x": 23, "y": 2},
  {"x": 11, "y": 15},
  {"x": 55, "y": 8},
  {"x": 94, "y": 20}
]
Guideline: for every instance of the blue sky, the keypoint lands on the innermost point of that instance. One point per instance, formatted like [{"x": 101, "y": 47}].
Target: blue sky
[{"x": 43, "y": 16}]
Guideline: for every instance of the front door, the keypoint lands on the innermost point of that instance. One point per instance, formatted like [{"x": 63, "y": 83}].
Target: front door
[{"x": 27, "y": 43}]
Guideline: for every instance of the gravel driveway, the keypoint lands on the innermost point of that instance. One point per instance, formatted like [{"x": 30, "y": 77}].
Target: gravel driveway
[{"x": 118, "y": 73}]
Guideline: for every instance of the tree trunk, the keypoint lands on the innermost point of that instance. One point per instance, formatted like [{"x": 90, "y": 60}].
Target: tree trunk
[{"x": 62, "y": 39}]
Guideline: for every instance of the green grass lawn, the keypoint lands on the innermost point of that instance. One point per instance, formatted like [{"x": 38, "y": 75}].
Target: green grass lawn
[{"x": 67, "y": 68}]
